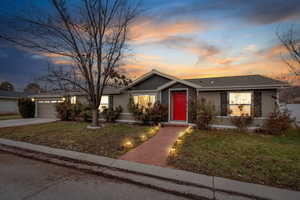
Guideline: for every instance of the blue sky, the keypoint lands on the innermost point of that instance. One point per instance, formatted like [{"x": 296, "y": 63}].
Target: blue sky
[{"x": 186, "y": 38}]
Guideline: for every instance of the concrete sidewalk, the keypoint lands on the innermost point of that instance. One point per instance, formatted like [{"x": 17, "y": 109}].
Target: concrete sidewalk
[
  {"x": 23, "y": 122},
  {"x": 196, "y": 186},
  {"x": 155, "y": 151}
]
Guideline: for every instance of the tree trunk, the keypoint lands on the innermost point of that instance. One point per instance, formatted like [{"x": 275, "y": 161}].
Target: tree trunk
[{"x": 95, "y": 119}]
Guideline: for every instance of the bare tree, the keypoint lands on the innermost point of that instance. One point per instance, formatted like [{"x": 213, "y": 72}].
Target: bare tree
[
  {"x": 290, "y": 39},
  {"x": 92, "y": 35}
]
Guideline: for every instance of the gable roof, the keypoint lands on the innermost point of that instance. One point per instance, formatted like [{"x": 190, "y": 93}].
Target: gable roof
[
  {"x": 155, "y": 72},
  {"x": 248, "y": 81}
]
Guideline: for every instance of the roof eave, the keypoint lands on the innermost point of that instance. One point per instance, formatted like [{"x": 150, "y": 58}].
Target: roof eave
[{"x": 248, "y": 87}]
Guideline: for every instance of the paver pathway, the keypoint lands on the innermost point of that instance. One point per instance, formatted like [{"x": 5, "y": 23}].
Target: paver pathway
[{"x": 155, "y": 150}]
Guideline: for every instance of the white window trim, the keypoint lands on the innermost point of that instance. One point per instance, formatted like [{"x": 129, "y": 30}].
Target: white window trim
[
  {"x": 146, "y": 94},
  {"x": 100, "y": 107},
  {"x": 228, "y": 100}
]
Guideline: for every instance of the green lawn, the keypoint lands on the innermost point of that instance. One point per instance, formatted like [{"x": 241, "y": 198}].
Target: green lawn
[
  {"x": 108, "y": 141},
  {"x": 7, "y": 117},
  {"x": 264, "y": 159}
]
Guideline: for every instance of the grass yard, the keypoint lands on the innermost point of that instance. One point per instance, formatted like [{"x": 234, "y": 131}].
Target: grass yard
[
  {"x": 7, "y": 117},
  {"x": 264, "y": 159},
  {"x": 112, "y": 141}
]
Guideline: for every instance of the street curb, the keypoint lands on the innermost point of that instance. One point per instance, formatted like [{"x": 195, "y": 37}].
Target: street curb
[{"x": 196, "y": 186}]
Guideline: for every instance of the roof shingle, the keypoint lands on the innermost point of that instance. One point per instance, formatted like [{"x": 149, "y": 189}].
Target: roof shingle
[{"x": 249, "y": 80}]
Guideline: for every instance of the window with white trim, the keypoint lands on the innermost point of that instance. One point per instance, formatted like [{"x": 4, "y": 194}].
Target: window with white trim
[
  {"x": 73, "y": 100},
  {"x": 240, "y": 103},
  {"x": 104, "y": 103},
  {"x": 144, "y": 100}
]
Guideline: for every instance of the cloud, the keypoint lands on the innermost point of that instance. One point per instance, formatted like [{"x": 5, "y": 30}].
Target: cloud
[
  {"x": 257, "y": 12},
  {"x": 147, "y": 31},
  {"x": 267, "y": 12},
  {"x": 250, "y": 48}
]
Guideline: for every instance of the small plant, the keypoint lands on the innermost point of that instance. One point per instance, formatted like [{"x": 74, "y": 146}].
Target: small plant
[
  {"x": 111, "y": 114},
  {"x": 205, "y": 114},
  {"x": 243, "y": 121},
  {"x": 277, "y": 123},
  {"x": 26, "y": 107}
]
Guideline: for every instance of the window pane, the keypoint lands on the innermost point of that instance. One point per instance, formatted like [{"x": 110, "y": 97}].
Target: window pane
[
  {"x": 240, "y": 98},
  {"x": 236, "y": 111},
  {"x": 103, "y": 103},
  {"x": 144, "y": 100},
  {"x": 73, "y": 100}
]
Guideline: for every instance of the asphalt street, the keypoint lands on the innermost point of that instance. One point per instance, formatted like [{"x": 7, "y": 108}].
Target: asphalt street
[{"x": 26, "y": 179}]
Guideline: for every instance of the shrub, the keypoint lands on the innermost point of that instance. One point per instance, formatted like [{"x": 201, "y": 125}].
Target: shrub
[
  {"x": 26, "y": 107},
  {"x": 243, "y": 121},
  {"x": 135, "y": 109},
  {"x": 76, "y": 110},
  {"x": 111, "y": 115},
  {"x": 277, "y": 123},
  {"x": 86, "y": 113},
  {"x": 205, "y": 114},
  {"x": 152, "y": 114},
  {"x": 64, "y": 111},
  {"x": 155, "y": 113}
]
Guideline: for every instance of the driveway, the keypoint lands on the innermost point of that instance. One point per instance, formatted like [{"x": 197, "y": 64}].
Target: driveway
[
  {"x": 155, "y": 151},
  {"x": 23, "y": 122},
  {"x": 26, "y": 179}
]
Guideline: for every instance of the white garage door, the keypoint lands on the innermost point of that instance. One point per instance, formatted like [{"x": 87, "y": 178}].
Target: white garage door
[
  {"x": 46, "y": 110},
  {"x": 8, "y": 107}
]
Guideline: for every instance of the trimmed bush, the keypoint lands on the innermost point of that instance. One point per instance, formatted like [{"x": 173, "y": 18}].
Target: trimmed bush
[
  {"x": 243, "y": 121},
  {"x": 152, "y": 114},
  {"x": 111, "y": 115},
  {"x": 86, "y": 113},
  {"x": 205, "y": 114},
  {"x": 64, "y": 111},
  {"x": 26, "y": 107},
  {"x": 277, "y": 123}
]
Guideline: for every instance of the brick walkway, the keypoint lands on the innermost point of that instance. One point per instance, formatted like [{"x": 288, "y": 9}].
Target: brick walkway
[{"x": 155, "y": 150}]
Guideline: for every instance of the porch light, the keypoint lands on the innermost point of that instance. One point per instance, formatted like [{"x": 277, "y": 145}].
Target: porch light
[{"x": 32, "y": 99}]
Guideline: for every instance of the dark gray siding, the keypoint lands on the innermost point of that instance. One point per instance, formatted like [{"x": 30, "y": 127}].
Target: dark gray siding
[
  {"x": 191, "y": 98},
  {"x": 151, "y": 83}
]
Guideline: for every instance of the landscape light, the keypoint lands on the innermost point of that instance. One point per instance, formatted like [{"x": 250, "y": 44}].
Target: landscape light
[
  {"x": 172, "y": 151},
  {"x": 143, "y": 137},
  {"x": 128, "y": 144}
]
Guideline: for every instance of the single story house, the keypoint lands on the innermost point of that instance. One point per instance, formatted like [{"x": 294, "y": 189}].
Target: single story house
[
  {"x": 9, "y": 101},
  {"x": 257, "y": 94}
]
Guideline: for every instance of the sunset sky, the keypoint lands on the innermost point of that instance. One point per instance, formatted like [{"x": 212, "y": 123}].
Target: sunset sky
[{"x": 185, "y": 38}]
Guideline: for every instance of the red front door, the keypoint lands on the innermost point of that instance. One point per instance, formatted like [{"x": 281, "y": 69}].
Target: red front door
[{"x": 179, "y": 106}]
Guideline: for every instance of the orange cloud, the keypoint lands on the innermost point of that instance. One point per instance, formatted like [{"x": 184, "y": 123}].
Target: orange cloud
[
  {"x": 149, "y": 31},
  {"x": 264, "y": 64}
]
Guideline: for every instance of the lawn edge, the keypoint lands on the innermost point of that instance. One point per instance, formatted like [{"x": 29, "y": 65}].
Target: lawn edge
[{"x": 172, "y": 175}]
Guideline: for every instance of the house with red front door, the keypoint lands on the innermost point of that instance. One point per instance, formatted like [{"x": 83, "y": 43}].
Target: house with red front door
[{"x": 257, "y": 95}]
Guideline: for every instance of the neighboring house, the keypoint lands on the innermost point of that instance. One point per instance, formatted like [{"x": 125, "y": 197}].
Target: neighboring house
[
  {"x": 256, "y": 93},
  {"x": 9, "y": 101}
]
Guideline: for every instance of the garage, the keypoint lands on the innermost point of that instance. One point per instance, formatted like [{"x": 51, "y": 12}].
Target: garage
[
  {"x": 46, "y": 110},
  {"x": 8, "y": 106}
]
